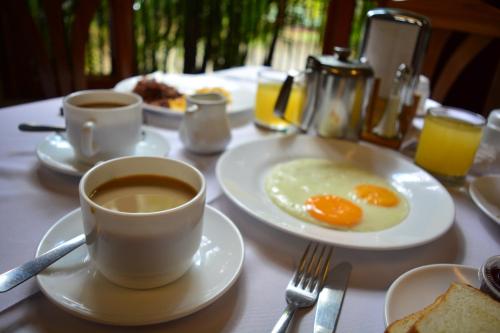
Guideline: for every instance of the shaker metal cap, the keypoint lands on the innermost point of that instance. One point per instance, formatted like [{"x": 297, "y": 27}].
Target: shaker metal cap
[
  {"x": 489, "y": 276},
  {"x": 339, "y": 64}
]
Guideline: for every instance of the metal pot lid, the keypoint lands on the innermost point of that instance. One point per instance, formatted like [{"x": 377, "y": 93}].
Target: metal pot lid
[{"x": 339, "y": 64}]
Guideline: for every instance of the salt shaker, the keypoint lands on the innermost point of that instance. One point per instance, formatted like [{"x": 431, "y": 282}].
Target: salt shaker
[
  {"x": 488, "y": 155},
  {"x": 423, "y": 90}
]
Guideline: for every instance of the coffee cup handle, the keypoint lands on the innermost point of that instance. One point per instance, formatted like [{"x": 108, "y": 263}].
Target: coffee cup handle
[{"x": 87, "y": 143}]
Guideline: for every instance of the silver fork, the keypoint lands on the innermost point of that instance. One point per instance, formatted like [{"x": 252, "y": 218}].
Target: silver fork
[{"x": 303, "y": 289}]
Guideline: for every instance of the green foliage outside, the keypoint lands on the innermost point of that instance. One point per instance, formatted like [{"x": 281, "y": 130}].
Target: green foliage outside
[
  {"x": 203, "y": 35},
  {"x": 216, "y": 33}
]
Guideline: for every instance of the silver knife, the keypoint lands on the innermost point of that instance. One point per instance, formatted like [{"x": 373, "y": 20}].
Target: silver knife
[{"x": 331, "y": 298}]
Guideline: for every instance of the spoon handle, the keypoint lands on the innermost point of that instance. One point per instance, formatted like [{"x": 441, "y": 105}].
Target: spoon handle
[
  {"x": 39, "y": 128},
  {"x": 18, "y": 275}
]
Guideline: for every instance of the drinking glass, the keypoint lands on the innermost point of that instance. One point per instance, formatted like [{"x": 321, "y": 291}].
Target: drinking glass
[
  {"x": 448, "y": 143},
  {"x": 269, "y": 85}
]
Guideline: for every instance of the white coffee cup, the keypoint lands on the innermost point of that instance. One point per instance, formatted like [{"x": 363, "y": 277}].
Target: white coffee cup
[
  {"x": 205, "y": 127},
  {"x": 142, "y": 250},
  {"x": 98, "y": 133}
]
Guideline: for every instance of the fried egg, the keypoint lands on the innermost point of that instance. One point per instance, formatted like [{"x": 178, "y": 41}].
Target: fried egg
[{"x": 335, "y": 195}]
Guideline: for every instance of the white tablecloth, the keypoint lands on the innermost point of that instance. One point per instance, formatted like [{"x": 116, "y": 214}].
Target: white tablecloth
[{"x": 32, "y": 198}]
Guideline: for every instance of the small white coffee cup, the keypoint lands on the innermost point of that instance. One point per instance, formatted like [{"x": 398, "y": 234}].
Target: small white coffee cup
[
  {"x": 101, "y": 133},
  {"x": 142, "y": 250}
]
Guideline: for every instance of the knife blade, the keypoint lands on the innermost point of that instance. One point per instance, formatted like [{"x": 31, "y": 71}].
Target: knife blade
[{"x": 331, "y": 298}]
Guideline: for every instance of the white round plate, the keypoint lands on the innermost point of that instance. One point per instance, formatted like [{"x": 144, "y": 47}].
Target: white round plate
[
  {"x": 242, "y": 170},
  {"x": 239, "y": 110},
  {"x": 485, "y": 192},
  {"x": 73, "y": 284},
  {"x": 420, "y": 287},
  {"x": 56, "y": 153}
]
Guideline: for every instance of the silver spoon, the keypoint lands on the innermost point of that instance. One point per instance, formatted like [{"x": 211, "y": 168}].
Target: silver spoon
[
  {"x": 18, "y": 275},
  {"x": 39, "y": 128},
  {"x": 24, "y": 127}
]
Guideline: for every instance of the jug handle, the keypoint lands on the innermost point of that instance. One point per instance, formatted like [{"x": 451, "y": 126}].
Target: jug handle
[
  {"x": 283, "y": 96},
  {"x": 192, "y": 109}
]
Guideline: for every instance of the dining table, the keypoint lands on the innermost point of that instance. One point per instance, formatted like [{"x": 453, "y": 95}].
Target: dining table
[{"x": 33, "y": 197}]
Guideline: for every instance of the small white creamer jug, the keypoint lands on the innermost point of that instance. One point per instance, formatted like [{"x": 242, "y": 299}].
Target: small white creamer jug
[{"x": 205, "y": 127}]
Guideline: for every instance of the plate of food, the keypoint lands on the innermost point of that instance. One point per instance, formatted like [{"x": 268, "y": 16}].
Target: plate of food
[
  {"x": 440, "y": 297},
  {"x": 354, "y": 195},
  {"x": 164, "y": 94}
]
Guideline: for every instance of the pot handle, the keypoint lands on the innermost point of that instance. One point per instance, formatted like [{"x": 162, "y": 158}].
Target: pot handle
[{"x": 283, "y": 96}]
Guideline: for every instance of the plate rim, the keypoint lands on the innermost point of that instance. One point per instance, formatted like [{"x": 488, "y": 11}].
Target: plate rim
[
  {"x": 396, "y": 155},
  {"x": 474, "y": 194},
  {"x": 165, "y": 111},
  {"x": 405, "y": 275},
  {"x": 66, "y": 169},
  {"x": 156, "y": 319}
]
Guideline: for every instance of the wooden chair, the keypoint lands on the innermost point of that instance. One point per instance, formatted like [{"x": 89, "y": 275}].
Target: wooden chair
[
  {"x": 338, "y": 24},
  {"x": 461, "y": 31},
  {"x": 34, "y": 65},
  {"x": 448, "y": 57}
]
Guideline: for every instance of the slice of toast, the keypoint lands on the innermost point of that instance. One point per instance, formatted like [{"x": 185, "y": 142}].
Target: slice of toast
[
  {"x": 404, "y": 324},
  {"x": 462, "y": 309}
]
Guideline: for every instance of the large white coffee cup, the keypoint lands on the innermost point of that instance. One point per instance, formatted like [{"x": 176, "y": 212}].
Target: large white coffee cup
[
  {"x": 142, "y": 250},
  {"x": 97, "y": 133}
]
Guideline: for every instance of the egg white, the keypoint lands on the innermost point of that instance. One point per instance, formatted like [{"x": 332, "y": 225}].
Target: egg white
[{"x": 289, "y": 184}]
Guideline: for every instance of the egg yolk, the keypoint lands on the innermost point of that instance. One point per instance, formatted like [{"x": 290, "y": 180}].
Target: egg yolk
[
  {"x": 334, "y": 210},
  {"x": 377, "y": 195}
]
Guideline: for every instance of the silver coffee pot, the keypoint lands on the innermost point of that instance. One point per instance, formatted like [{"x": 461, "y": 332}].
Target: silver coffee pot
[{"x": 337, "y": 94}]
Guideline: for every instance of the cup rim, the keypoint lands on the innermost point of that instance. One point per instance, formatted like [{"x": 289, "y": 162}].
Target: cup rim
[
  {"x": 94, "y": 205},
  {"x": 138, "y": 99},
  {"x": 218, "y": 98},
  {"x": 272, "y": 75},
  {"x": 463, "y": 115}
]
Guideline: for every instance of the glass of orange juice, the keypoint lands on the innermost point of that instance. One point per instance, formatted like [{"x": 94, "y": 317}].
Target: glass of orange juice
[
  {"x": 269, "y": 85},
  {"x": 448, "y": 143}
]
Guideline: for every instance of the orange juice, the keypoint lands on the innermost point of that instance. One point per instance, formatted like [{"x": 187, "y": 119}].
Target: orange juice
[
  {"x": 267, "y": 94},
  {"x": 447, "y": 145}
]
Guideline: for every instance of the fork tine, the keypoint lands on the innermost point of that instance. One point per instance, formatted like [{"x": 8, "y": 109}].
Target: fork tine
[
  {"x": 316, "y": 274},
  {"x": 302, "y": 269},
  {"x": 310, "y": 267},
  {"x": 322, "y": 268},
  {"x": 313, "y": 261},
  {"x": 313, "y": 266}
]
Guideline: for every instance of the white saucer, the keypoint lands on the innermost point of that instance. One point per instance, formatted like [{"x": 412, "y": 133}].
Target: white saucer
[
  {"x": 56, "y": 153},
  {"x": 485, "y": 192},
  {"x": 73, "y": 284},
  {"x": 420, "y": 286}
]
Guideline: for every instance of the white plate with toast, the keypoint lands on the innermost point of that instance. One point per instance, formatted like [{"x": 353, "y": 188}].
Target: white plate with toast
[{"x": 419, "y": 287}]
